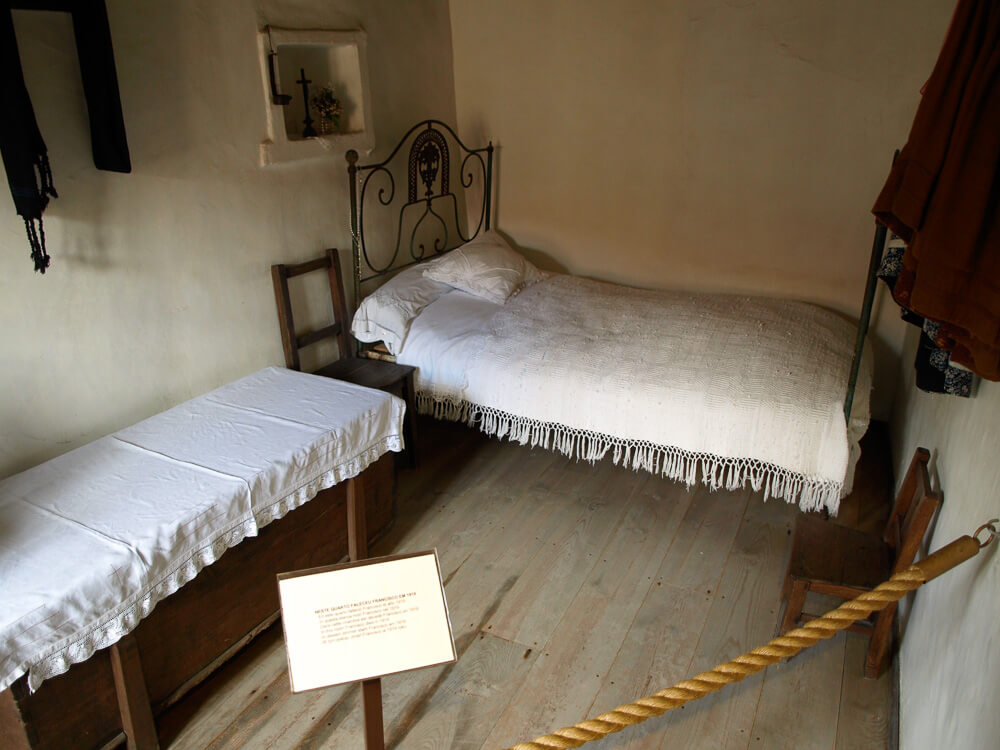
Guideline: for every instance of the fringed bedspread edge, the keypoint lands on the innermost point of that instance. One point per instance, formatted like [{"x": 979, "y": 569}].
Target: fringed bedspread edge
[{"x": 716, "y": 472}]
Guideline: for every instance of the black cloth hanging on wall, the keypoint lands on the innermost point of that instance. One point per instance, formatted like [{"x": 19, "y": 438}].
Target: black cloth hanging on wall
[{"x": 24, "y": 154}]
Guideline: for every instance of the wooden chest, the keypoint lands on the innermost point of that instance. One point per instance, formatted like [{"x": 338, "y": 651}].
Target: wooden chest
[{"x": 192, "y": 632}]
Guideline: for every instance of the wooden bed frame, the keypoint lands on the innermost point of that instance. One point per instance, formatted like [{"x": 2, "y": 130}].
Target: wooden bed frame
[{"x": 190, "y": 633}]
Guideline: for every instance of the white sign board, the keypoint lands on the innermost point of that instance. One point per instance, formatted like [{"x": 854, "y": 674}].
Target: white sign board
[{"x": 357, "y": 621}]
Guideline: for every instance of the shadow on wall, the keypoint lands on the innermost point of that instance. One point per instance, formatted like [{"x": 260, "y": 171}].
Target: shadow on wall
[
  {"x": 885, "y": 337},
  {"x": 539, "y": 258},
  {"x": 34, "y": 445}
]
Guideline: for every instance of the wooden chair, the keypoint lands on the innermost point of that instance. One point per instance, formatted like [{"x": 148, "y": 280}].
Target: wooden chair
[
  {"x": 372, "y": 373},
  {"x": 831, "y": 559}
]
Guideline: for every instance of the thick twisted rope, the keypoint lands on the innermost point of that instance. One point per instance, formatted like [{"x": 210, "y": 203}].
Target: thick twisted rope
[{"x": 782, "y": 647}]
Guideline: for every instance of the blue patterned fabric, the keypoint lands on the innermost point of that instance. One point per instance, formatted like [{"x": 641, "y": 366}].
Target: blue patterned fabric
[{"x": 935, "y": 373}]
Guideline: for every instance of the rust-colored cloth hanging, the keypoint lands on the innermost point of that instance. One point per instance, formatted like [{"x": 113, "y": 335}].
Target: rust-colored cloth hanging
[{"x": 943, "y": 192}]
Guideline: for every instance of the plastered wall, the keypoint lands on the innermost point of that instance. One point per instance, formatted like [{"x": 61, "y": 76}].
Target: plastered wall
[
  {"x": 950, "y": 656},
  {"x": 159, "y": 287},
  {"x": 699, "y": 144}
]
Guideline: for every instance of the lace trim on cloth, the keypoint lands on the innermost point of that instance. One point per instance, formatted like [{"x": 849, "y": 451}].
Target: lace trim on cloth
[
  {"x": 124, "y": 618},
  {"x": 717, "y": 472}
]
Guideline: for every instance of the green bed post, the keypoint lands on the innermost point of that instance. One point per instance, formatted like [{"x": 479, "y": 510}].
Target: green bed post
[
  {"x": 878, "y": 245},
  {"x": 878, "y": 248}
]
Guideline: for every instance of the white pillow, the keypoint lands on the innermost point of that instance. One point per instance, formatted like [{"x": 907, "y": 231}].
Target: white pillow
[
  {"x": 385, "y": 314},
  {"x": 487, "y": 267}
]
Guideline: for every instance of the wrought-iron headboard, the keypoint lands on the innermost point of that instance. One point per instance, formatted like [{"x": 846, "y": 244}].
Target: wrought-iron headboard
[{"x": 428, "y": 183}]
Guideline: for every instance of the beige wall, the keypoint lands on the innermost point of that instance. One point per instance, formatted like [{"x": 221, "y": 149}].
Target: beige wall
[
  {"x": 701, "y": 144},
  {"x": 950, "y": 658},
  {"x": 159, "y": 287}
]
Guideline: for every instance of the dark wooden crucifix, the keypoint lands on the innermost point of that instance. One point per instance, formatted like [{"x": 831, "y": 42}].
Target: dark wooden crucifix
[{"x": 308, "y": 131}]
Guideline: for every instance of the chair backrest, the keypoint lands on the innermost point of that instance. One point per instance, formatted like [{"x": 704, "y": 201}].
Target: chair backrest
[
  {"x": 912, "y": 512},
  {"x": 290, "y": 340}
]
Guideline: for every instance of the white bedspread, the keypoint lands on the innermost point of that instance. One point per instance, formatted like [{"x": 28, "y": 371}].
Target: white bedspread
[
  {"x": 92, "y": 540},
  {"x": 727, "y": 390}
]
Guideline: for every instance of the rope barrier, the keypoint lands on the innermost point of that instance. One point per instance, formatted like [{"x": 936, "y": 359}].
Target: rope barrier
[{"x": 782, "y": 647}]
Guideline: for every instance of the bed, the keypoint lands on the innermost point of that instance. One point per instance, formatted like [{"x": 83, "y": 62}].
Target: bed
[
  {"x": 110, "y": 541},
  {"x": 730, "y": 391}
]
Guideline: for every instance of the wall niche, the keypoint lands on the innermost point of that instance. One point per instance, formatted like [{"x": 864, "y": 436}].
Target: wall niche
[{"x": 296, "y": 60}]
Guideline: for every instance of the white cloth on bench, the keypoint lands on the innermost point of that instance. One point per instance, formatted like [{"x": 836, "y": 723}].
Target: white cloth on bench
[{"x": 92, "y": 540}]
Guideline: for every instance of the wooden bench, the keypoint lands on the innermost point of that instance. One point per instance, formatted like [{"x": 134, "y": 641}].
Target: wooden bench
[
  {"x": 193, "y": 632},
  {"x": 119, "y": 690}
]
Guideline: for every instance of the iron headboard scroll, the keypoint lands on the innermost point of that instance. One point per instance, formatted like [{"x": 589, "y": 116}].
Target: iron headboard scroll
[{"x": 428, "y": 184}]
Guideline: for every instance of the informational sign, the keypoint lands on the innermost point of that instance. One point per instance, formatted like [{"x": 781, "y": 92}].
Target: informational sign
[{"x": 357, "y": 621}]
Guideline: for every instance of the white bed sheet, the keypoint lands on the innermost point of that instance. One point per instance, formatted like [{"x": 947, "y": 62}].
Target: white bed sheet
[
  {"x": 92, "y": 540},
  {"x": 727, "y": 390},
  {"x": 443, "y": 341}
]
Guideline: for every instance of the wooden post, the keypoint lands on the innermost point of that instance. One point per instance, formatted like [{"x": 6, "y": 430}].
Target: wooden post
[
  {"x": 133, "y": 699},
  {"x": 357, "y": 528},
  {"x": 371, "y": 693},
  {"x": 357, "y": 546},
  {"x": 15, "y": 730}
]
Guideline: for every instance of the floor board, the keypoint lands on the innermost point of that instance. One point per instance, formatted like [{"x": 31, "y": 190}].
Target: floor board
[
  {"x": 584, "y": 645},
  {"x": 742, "y": 616},
  {"x": 572, "y": 589}
]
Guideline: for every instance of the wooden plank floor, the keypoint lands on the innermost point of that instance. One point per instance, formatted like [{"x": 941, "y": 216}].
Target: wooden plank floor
[{"x": 572, "y": 589}]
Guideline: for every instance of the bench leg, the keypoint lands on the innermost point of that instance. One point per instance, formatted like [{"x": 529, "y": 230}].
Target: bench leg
[
  {"x": 15, "y": 732},
  {"x": 133, "y": 699}
]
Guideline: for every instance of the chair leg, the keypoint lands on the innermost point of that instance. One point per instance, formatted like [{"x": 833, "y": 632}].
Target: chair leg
[
  {"x": 793, "y": 610},
  {"x": 878, "y": 650}
]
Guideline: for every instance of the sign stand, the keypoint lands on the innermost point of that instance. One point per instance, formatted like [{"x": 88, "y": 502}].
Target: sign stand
[
  {"x": 357, "y": 549},
  {"x": 357, "y": 621}
]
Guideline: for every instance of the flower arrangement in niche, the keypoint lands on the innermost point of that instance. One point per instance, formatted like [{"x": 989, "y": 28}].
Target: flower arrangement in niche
[{"x": 329, "y": 109}]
